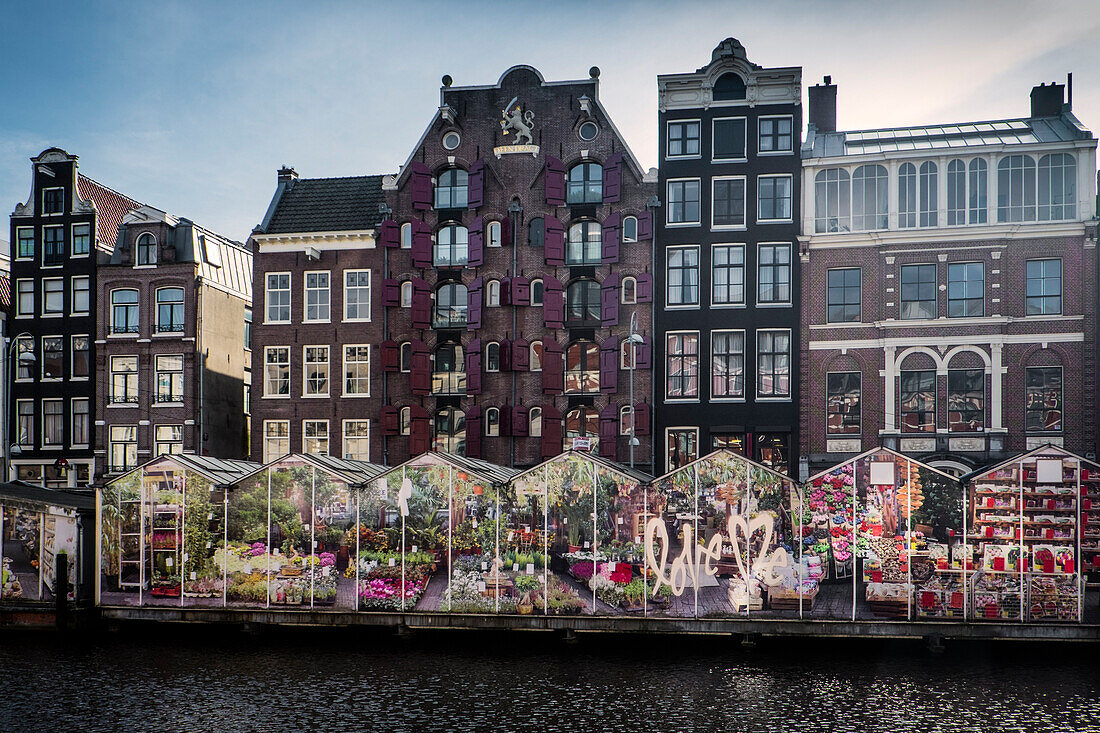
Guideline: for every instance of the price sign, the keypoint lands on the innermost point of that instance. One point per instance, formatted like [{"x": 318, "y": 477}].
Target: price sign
[
  {"x": 414, "y": 548},
  {"x": 530, "y": 568},
  {"x": 393, "y": 562},
  {"x": 586, "y": 545},
  {"x": 194, "y": 575},
  {"x": 515, "y": 567}
]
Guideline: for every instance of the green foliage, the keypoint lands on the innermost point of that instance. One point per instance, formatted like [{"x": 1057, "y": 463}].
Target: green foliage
[{"x": 943, "y": 501}]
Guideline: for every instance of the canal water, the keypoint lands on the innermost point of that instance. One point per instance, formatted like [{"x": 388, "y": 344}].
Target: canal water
[{"x": 162, "y": 679}]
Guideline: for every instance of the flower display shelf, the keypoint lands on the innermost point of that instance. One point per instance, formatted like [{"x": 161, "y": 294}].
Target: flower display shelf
[{"x": 787, "y": 599}]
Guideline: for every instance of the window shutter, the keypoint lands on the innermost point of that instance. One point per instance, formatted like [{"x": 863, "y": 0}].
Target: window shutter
[
  {"x": 645, "y": 225},
  {"x": 644, "y": 288},
  {"x": 609, "y": 364},
  {"x": 389, "y": 233},
  {"x": 609, "y": 431},
  {"x": 609, "y": 300},
  {"x": 553, "y": 302},
  {"x": 505, "y": 420},
  {"x": 641, "y": 418},
  {"x": 391, "y": 356},
  {"x": 389, "y": 420},
  {"x": 553, "y": 241},
  {"x": 420, "y": 430},
  {"x": 555, "y": 181},
  {"x": 551, "y": 431},
  {"x": 473, "y": 367},
  {"x": 505, "y": 356},
  {"x": 391, "y": 292},
  {"x": 612, "y": 178},
  {"x": 644, "y": 353},
  {"x": 473, "y": 431},
  {"x": 421, "y": 304},
  {"x": 520, "y": 424},
  {"x": 521, "y": 355},
  {"x": 420, "y": 370},
  {"x": 475, "y": 243},
  {"x": 506, "y": 232},
  {"x": 473, "y": 305},
  {"x": 420, "y": 185},
  {"x": 475, "y": 185},
  {"x": 421, "y": 244},
  {"x": 610, "y": 235},
  {"x": 506, "y": 291},
  {"x": 521, "y": 290},
  {"x": 553, "y": 370}
]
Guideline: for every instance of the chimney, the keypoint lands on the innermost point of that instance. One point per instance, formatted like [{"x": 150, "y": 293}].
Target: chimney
[
  {"x": 823, "y": 105},
  {"x": 1046, "y": 100},
  {"x": 286, "y": 174}
]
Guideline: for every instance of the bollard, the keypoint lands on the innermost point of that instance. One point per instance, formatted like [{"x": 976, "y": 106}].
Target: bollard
[{"x": 61, "y": 590}]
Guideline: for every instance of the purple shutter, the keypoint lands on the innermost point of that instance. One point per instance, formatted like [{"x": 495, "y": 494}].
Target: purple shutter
[
  {"x": 389, "y": 420},
  {"x": 506, "y": 232},
  {"x": 612, "y": 178},
  {"x": 476, "y": 243},
  {"x": 420, "y": 430},
  {"x": 506, "y": 291},
  {"x": 505, "y": 420},
  {"x": 521, "y": 355},
  {"x": 505, "y": 355},
  {"x": 473, "y": 431},
  {"x": 609, "y": 364},
  {"x": 421, "y": 244},
  {"x": 520, "y": 421},
  {"x": 643, "y": 353},
  {"x": 644, "y": 288},
  {"x": 391, "y": 356},
  {"x": 609, "y": 300},
  {"x": 553, "y": 369},
  {"x": 389, "y": 233},
  {"x": 521, "y": 290},
  {"x": 420, "y": 370},
  {"x": 473, "y": 305},
  {"x": 473, "y": 367},
  {"x": 420, "y": 185},
  {"x": 391, "y": 292},
  {"x": 610, "y": 237},
  {"x": 641, "y": 418},
  {"x": 553, "y": 302},
  {"x": 551, "y": 431},
  {"x": 645, "y": 225},
  {"x": 554, "y": 181},
  {"x": 421, "y": 304},
  {"x": 553, "y": 241},
  {"x": 609, "y": 431},
  {"x": 475, "y": 185}
]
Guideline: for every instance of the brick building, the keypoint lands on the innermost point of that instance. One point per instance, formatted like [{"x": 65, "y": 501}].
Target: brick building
[{"x": 949, "y": 286}]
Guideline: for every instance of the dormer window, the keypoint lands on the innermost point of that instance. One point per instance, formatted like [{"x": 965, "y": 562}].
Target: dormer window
[
  {"x": 53, "y": 201},
  {"x": 585, "y": 184},
  {"x": 146, "y": 249},
  {"x": 729, "y": 87},
  {"x": 452, "y": 189}
]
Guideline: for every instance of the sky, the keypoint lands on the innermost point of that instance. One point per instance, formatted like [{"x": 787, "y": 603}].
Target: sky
[{"x": 192, "y": 106}]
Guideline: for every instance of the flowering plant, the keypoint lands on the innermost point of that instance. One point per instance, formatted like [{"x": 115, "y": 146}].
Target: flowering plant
[{"x": 327, "y": 559}]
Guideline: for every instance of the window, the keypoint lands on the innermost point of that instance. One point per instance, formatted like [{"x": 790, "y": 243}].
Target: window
[
  {"x": 405, "y": 358},
  {"x": 80, "y": 426},
  {"x": 451, "y": 140},
  {"x": 729, "y": 139},
  {"x": 317, "y": 297},
  {"x": 588, "y": 131},
  {"x": 54, "y": 240},
  {"x": 683, "y": 139},
  {"x": 25, "y": 421},
  {"x": 629, "y": 290},
  {"x": 581, "y": 422},
  {"x": 774, "y": 273},
  {"x": 773, "y": 364},
  {"x": 492, "y": 422},
  {"x": 535, "y": 361},
  {"x": 404, "y": 420},
  {"x": 773, "y": 197},
  {"x": 81, "y": 363},
  {"x": 727, "y": 364},
  {"x": 582, "y": 302},
  {"x": 1044, "y": 287},
  {"x": 146, "y": 249},
  {"x": 53, "y": 422},
  {"x": 449, "y": 369},
  {"x": 124, "y": 379},
  {"x": 452, "y": 248},
  {"x": 357, "y": 440},
  {"x": 870, "y": 197},
  {"x": 492, "y": 357},
  {"x": 734, "y": 442},
  {"x": 316, "y": 371},
  {"x": 53, "y": 357},
  {"x": 1016, "y": 188},
  {"x": 169, "y": 369},
  {"x": 582, "y": 368},
  {"x": 170, "y": 310},
  {"x": 167, "y": 440},
  {"x": 25, "y": 239},
  {"x": 356, "y": 295},
  {"x": 918, "y": 401},
  {"x": 630, "y": 229},
  {"x": 626, "y": 354},
  {"x": 965, "y": 400},
  {"x": 927, "y": 197},
  {"x": 844, "y": 295},
  {"x": 53, "y": 200},
  {"x": 449, "y": 432},
  {"x": 492, "y": 293},
  {"x": 918, "y": 291},
  {"x": 1043, "y": 399},
  {"x": 24, "y": 369},
  {"x": 211, "y": 253},
  {"x": 534, "y": 422},
  {"x": 123, "y": 448},
  {"x": 842, "y": 398},
  {"x": 450, "y": 306},
  {"x": 536, "y": 231},
  {"x": 315, "y": 437},
  {"x": 537, "y": 292},
  {"x": 81, "y": 297},
  {"x": 917, "y": 195},
  {"x": 1057, "y": 187},
  {"x": 277, "y": 371},
  {"x": 406, "y": 294},
  {"x": 24, "y": 298},
  {"x": 683, "y": 276},
  {"x": 407, "y": 235},
  {"x": 728, "y": 200},
  {"x": 585, "y": 184},
  {"x": 53, "y": 296},
  {"x": 276, "y": 439},
  {"x": 956, "y": 192},
  {"x": 278, "y": 297},
  {"x": 965, "y": 290},
  {"x": 682, "y": 365},
  {"x": 728, "y": 87},
  {"x": 683, "y": 202},
  {"x": 977, "y": 204},
  {"x": 585, "y": 244},
  {"x": 626, "y": 419},
  {"x": 492, "y": 234},
  {"x": 357, "y": 370},
  {"x": 683, "y": 446},
  {"x": 776, "y": 135},
  {"x": 248, "y": 328},
  {"x": 452, "y": 189},
  {"x": 907, "y": 195}
]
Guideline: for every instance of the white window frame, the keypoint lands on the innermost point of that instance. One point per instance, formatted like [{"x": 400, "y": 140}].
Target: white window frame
[
  {"x": 790, "y": 276},
  {"x": 744, "y": 210},
  {"x": 669, "y": 305},
  {"x": 624, "y": 427},
  {"x": 406, "y": 227},
  {"x": 369, "y": 287},
  {"x": 59, "y": 313},
  {"x": 138, "y": 264},
  {"x": 42, "y": 372},
  {"x": 531, "y": 414},
  {"x": 698, "y": 367},
  {"x": 267, "y": 439},
  {"x": 540, "y": 282},
  {"x": 344, "y": 370},
  {"x": 679, "y": 429},
  {"x": 19, "y": 312},
  {"x": 20, "y": 350},
  {"x": 668, "y": 206},
  {"x": 756, "y": 366},
  {"x": 157, "y": 442},
  {"x": 486, "y": 358},
  {"x": 744, "y": 366},
  {"x": 486, "y": 432},
  {"x": 273, "y": 396},
  {"x": 626, "y": 354},
  {"x": 267, "y": 297},
  {"x": 401, "y": 365},
  {"x": 56, "y": 401},
  {"x": 744, "y": 280},
  {"x": 625, "y": 239},
  {"x": 344, "y": 438},
  {"x": 158, "y": 371},
  {"x": 489, "y": 237},
  {"x": 760, "y": 119},
  {"x": 306, "y": 394},
  {"x": 684, "y": 156},
  {"x": 829, "y": 434},
  {"x": 43, "y": 201},
  {"x": 72, "y": 357},
  {"x": 72, "y": 295},
  {"x": 406, "y": 286},
  {"x": 87, "y": 420},
  {"x": 327, "y": 436},
  {"x": 404, "y": 421},
  {"x": 31, "y": 435},
  {"x": 492, "y": 300},
  {"x": 531, "y": 356},
  {"x": 744, "y": 141},
  {"x": 760, "y": 219},
  {"x": 34, "y": 244},
  {"x": 622, "y": 290},
  {"x": 306, "y": 290}
]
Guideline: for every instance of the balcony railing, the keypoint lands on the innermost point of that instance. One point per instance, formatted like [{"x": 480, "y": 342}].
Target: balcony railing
[
  {"x": 125, "y": 399},
  {"x": 124, "y": 328},
  {"x": 162, "y": 398},
  {"x": 169, "y": 327}
]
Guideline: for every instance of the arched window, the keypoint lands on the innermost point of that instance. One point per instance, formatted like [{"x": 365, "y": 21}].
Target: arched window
[
  {"x": 1016, "y": 188},
  {"x": 585, "y": 244},
  {"x": 449, "y": 369},
  {"x": 406, "y": 294},
  {"x": 492, "y": 294},
  {"x": 626, "y": 419},
  {"x": 956, "y": 192},
  {"x": 966, "y": 193},
  {"x": 449, "y": 431},
  {"x": 451, "y": 246},
  {"x": 124, "y": 311},
  {"x": 630, "y": 229},
  {"x": 1057, "y": 187},
  {"x": 870, "y": 204},
  {"x": 928, "y": 194},
  {"x": 728, "y": 87},
  {"x": 630, "y": 290},
  {"x": 492, "y": 357},
  {"x": 977, "y": 203},
  {"x": 405, "y": 362},
  {"x": 536, "y": 231},
  {"x": 536, "y": 292},
  {"x": 582, "y": 302},
  {"x": 492, "y": 234},
  {"x": 169, "y": 310},
  {"x": 582, "y": 368},
  {"x": 585, "y": 184},
  {"x": 407, "y": 235},
  {"x": 832, "y": 201},
  {"x": 907, "y": 195},
  {"x": 581, "y": 422},
  {"x": 626, "y": 354},
  {"x": 450, "y": 306},
  {"x": 534, "y": 422},
  {"x": 146, "y": 249},
  {"x": 535, "y": 362},
  {"x": 451, "y": 189},
  {"x": 405, "y": 420},
  {"x": 492, "y": 422},
  {"x": 966, "y": 393},
  {"x": 917, "y": 394}
]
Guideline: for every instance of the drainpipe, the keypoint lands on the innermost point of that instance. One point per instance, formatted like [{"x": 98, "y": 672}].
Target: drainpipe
[
  {"x": 385, "y": 211},
  {"x": 514, "y": 211},
  {"x": 200, "y": 363},
  {"x": 653, "y": 204}
]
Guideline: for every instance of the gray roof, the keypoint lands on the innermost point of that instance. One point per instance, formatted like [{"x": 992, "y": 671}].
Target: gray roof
[
  {"x": 484, "y": 470},
  {"x": 30, "y": 496},
  {"x": 221, "y": 471},
  {"x": 632, "y": 474},
  {"x": 351, "y": 472},
  {"x": 325, "y": 205}
]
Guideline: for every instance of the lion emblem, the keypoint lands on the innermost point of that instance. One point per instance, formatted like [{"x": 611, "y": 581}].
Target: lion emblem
[{"x": 513, "y": 119}]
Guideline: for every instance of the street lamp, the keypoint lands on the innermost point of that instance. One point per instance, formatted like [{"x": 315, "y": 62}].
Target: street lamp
[
  {"x": 633, "y": 339},
  {"x": 25, "y": 357}
]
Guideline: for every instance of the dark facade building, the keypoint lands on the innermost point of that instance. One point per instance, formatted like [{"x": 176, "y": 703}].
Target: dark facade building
[
  {"x": 171, "y": 361},
  {"x": 727, "y": 282},
  {"x": 949, "y": 281},
  {"x": 58, "y": 239}
]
